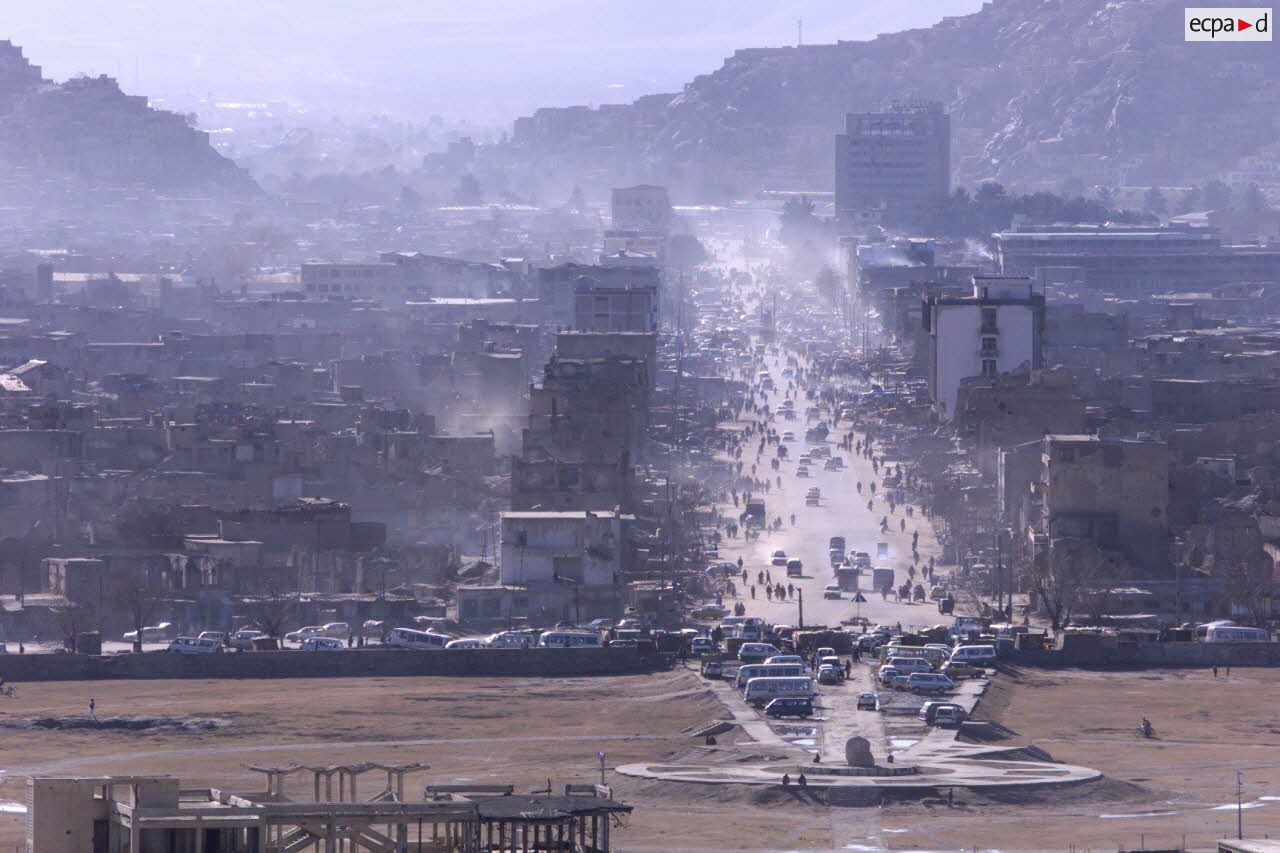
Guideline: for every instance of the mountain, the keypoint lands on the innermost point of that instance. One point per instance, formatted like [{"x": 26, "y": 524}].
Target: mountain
[
  {"x": 89, "y": 133},
  {"x": 1043, "y": 94}
]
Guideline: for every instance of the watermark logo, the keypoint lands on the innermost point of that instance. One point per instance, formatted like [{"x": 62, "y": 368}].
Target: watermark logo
[{"x": 1227, "y": 24}]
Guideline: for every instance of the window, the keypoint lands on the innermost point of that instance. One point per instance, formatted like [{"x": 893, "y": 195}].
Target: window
[
  {"x": 989, "y": 346},
  {"x": 988, "y": 320},
  {"x": 989, "y": 368}
]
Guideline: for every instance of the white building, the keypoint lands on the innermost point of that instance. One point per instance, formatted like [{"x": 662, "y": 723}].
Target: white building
[
  {"x": 583, "y": 547},
  {"x": 994, "y": 330}
]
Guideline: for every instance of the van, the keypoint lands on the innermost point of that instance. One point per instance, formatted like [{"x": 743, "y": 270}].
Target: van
[
  {"x": 194, "y": 646},
  {"x": 929, "y": 682},
  {"x": 466, "y": 643},
  {"x": 929, "y": 710},
  {"x": 948, "y": 716},
  {"x": 909, "y": 665},
  {"x": 569, "y": 639},
  {"x": 756, "y": 652},
  {"x": 511, "y": 640},
  {"x": 766, "y": 670},
  {"x": 974, "y": 654},
  {"x": 408, "y": 638},
  {"x": 760, "y": 691},
  {"x": 321, "y": 644}
]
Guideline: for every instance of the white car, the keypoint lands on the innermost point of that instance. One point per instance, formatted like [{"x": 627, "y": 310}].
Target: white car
[
  {"x": 150, "y": 633},
  {"x": 303, "y": 633},
  {"x": 321, "y": 644},
  {"x": 785, "y": 659},
  {"x": 468, "y": 643},
  {"x": 243, "y": 639},
  {"x": 194, "y": 646}
]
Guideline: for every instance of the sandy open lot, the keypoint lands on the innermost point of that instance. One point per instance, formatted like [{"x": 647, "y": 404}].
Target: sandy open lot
[{"x": 523, "y": 731}]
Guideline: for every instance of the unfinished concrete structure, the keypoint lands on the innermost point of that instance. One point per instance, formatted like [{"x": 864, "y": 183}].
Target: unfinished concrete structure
[{"x": 155, "y": 814}]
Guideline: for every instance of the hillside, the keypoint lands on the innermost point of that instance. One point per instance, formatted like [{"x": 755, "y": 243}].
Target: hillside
[
  {"x": 1043, "y": 94},
  {"x": 87, "y": 133}
]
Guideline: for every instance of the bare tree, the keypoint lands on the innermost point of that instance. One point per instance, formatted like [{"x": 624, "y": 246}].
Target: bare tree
[
  {"x": 1250, "y": 584},
  {"x": 272, "y": 611},
  {"x": 137, "y": 595},
  {"x": 1068, "y": 576}
]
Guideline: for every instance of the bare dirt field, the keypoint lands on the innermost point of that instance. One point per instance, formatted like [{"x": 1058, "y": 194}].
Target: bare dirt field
[{"x": 524, "y": 731}]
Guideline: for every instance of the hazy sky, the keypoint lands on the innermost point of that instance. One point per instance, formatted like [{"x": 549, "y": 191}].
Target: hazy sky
[{"x": 480, "y": 60}]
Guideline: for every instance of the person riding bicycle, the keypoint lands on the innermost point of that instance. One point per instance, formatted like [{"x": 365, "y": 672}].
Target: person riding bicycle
[{"x": 1145, "y": 727}]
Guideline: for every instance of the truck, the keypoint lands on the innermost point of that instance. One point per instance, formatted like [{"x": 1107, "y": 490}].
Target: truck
[
  {"x": 881, "y": 577},
  {"x": 847, "y": 577},
  {"x": 755, "y": 511},
  {"x": 836, "y": 542}
]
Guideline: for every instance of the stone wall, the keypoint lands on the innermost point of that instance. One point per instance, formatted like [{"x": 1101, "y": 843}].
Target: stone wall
[
  {"x": 349, "y": 663},
  {"x": 1153, "y": 655}
]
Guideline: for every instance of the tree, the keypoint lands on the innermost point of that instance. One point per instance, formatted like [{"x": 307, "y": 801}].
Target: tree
[
  {"x": 828, "y": 283},
  {"x": 1067, "y": 576},
  {"x": 1154, "y": 201},
  {"x": 137, "y": 595},
  {"x": 685, "y": 251},
  {"x": 468, "y": 190},
  {"x": 272, "y": 612},
  {"x": 1217, "y": 196}
]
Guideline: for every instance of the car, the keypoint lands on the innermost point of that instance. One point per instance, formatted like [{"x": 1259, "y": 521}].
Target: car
[
  {"x": 467, "y": 643},
  {"x": 756, "y": 652},
  {"x": 219, "y": 636},
  {"x": 901, "y": 681},
  {"x": 786, "y": 659},
  {"x": 824, "y": 652},
  {"x": 712, "y": 669},
  {"x": 869, "y": 642},
  {"x": 938, "y": 592},
  {"x": 831, "y": 591},
  {"x": 337, "y": 630},
  {"x": 836, "y": 557},
  {"x": 802, "y": 472},
  {"x": 909, "y": 664},
  {"x": 321, "y": 644},
  {"x": 828, "y": 675},
  {"x": 832, "y": 661},
  {"x": 788, "y": 436},
  {"x": 702, "y": 646},
  {"x": 929, "y": 682},
  {"x": 887, "y": 675},
  {"x": 930, "y": 709},
  {"x": 710, "y": 610},
  {"x": 794, "y": 567},
  {"x": 623, "y": 643},
  {"x": 150, "y": 633},
  {"x": 868, "y": 702},
  {"x": 958, "y": 669},
  {"x": 600, "y": 624},
  {"x": 804, "y": 461},
  {"x": 243, "y": 639},
  {"x": 194, "y": 646},
  {"x": 821, "y": 452},
  {"x": 948, "y": 716},
  {"x": 789, "y": 706},
  {"x": 302, "y": 633},
  {"x": 831, "y": 465},
  {"x": 779, "y": 557}
]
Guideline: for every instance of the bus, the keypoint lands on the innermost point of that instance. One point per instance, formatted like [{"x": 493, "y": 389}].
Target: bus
[
  {"x": 766, "y": 670},
  {"x": 408, "y": 638},
  {"x": 1226, "y": 631},
  {"x": 569, "y": 639}
]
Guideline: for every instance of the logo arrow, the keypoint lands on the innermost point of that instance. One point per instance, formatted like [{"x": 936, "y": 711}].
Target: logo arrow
[{"x": 1243, "y": 25}]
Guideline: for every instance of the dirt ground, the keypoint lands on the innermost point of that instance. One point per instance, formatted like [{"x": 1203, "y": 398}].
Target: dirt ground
[
  {"x": 523, "y": 731},
  {"x": 520, "y": 731}
]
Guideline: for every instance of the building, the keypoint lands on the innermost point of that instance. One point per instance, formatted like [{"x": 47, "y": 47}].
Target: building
[
  {"x": 896, "y": 162},
  {"x": 1135, "y": 258},
  {"x": 641, "y": 208},
  {"x": 627, "y": 308},
  {"x": 996, "y": 329},
  {"x": 349, "y": 280}
]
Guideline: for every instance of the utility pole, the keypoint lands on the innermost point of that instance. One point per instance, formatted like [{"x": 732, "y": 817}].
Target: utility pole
[
  {"x": 800, "y": 601},
  {"x": 799, "y": 32},
  {"x": 1239, "y": 804}
]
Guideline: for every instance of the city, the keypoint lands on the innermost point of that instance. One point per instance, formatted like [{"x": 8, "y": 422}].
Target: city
[{"x": 853, "y": 450}]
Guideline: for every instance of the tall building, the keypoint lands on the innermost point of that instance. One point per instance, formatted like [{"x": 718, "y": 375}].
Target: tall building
[
  {"x": 994, "y": 330},
  {"x": 893, "y": 166}
]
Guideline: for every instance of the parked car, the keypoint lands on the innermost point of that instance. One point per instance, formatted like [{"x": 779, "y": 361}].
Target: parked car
[
  {"x": 466, "y": 643},
  {"x": 756, "y": 652},
  {"x": 831, "y": 661},
  {"x": 321, "y": 644},
  {"x": 948, "y": 716},
  {"x": 887, "y": 675},
  {"x": 302, "y": 633},
  {"x": 956, "y": 669},
  {"x": 909, "y": 665},
  {"x": 929, "y": 682},
  {"x": 789, "y": 706},
  {"x": 786, "y": 659},
  {"x": 338, "y": 630},
  {"x": 929, "y": 710},
  {"x": 829, "y": 675},
  {"x": 702, "y": 646},
  {"x": 712, "y": 669},
  {"x": 151, "y": 633},
  {"x": 194, "y": 646},
  {"x": 901, "y": 681},
  {"x": 243, "y": 639},
  {"x": 217, "y": 636},
  {"x": 868, "y": 702}
]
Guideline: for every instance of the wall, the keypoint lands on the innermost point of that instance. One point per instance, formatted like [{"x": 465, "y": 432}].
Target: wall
[
  {"x": 344, "y": 664},
  {"x": 957, "y": 330},
  {"x": 1152, "y": 655}
]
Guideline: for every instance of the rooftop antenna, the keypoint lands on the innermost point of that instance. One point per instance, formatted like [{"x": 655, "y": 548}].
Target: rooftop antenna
[{"x": 799, "y": 32}]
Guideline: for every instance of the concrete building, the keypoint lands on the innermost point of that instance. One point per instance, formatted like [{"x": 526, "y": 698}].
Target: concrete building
[
  {"x": 896, "y": 162},
  {"x": 601, "y": 308},
  {"x": 643, "y": 208},
  {"x": 996, "y": 329},
  {"x": 349, "y": 280}
]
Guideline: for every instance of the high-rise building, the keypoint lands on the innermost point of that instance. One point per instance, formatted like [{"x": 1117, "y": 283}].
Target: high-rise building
[{"x": 893, "y": 166}]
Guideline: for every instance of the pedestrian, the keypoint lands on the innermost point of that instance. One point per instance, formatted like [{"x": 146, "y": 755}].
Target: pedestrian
[
  {"x": 786, "y": 779},
  {"x": 753, "y": 590},
  {"x": 803, "y": 782},
  {"x": 1228, "y": 670},
  {"x": 1215, "y": 670},
  {"x": 92, "y": 709}
]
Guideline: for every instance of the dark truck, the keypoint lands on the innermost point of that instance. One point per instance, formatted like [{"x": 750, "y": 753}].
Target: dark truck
[{"x": 755, "y": 512}]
